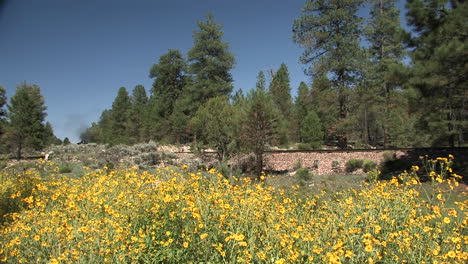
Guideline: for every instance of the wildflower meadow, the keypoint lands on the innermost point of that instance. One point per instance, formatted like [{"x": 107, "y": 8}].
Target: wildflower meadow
[{"x": 181, "y": 216}]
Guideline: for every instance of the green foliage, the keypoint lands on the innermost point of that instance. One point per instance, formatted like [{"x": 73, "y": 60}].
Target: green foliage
[
  {"x": 210, "y": 63},
  {"x": 311, "y": 130},
  {"x": 26, "y": 113},
  {"x": 119, "y": 121},
  {"x": 368, "y": 165},
  {"x": 260, "y": 125},
  {"x": 303, "y": 175},
  {"x": 261, "y": 82},
  {"x": 49, "y": 137},
  {"x": 354, "y": 164},
  {"x": 280, "y": 90},
  {"x": 65, "y": 168},
  {"x": 439, "y": 56},
  {"x": 329, "y": 31},
  {"x": 170, "y": 79},
  {"x": 137, "y": 115},
  {"x": 66, "y": 141},
  {"x": 212, "y": 127}
]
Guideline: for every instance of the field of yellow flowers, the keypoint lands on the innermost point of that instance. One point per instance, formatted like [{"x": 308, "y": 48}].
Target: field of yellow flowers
[{"x": 178, "y": 216}]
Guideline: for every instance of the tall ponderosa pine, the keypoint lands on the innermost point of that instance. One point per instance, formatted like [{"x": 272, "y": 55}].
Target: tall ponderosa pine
[
  {"x": 329, "y": 30},
  {"x": 385, "y": 77},
  {"x": 26, "y": 113},
  {"x": 440, "y": 56},
  {"x": 210, "y": 63},
  {"x": 119, "y": 118}
]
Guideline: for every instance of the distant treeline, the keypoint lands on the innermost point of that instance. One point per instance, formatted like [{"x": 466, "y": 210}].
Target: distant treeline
[{"x": 361, "y": 92}]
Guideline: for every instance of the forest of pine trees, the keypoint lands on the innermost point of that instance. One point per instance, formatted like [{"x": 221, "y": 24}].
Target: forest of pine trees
[{"x": 372, "y": 84}]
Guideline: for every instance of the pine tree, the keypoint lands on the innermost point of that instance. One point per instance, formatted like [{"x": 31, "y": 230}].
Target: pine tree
[
  {"x": 169, "y": 81},
  {"x": 439, "y": 67},
  {"x": 210, "y": 63},
  {"x": 260, "y": 125},
  {"x": 66, "y": 141},
  {"x": 261, "y": 81},
  {"x": 281, "y": 90},
  {"x": 385, "y": 76},
  {"x": 330, "y": 31},
  {"x": 119, "y": 118},
  {"x": 325, "y": 103},
  {"x": 302, "y": 107},
  {"x": 137, "y": 114},
  {"x": 26, "y": 113},
  {"x": 214, "y": 129},
  {"x": 3, "y": 100},
  {"x": 311, "y": 131}
]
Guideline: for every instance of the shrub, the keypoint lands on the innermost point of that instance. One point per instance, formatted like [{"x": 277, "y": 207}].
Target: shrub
[
  {"x": 65, "y": 168},
  {"x": 336, "y": 166},
  {"x": 369, "y": 165},
  {"x": 354, "y": 164}
]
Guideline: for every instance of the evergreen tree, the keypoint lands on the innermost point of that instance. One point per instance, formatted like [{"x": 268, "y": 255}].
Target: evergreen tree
[
  {"x": 137, "y": 114},
  {"x": 214, "y": 129},
  {"x": 169, "y": 81},
  {"x": 281, "y": 90},
  {"x": 325, "y": 103},
  {"x": 238, "y": 97},
  {"x": 66, "y": 141},
  {"x": 119, "y": 118},
  {"x": 439, "y": 67},
  {"x": 261, "y": 81},
  {"x": 210, "y": 63},
  {"x": 260, "y": 125},
  {"x": 385, "y": 75},
  {"x": 26, "y": 113},
  {"x": 330, "y": 31},
  {"x": 311, "y": 131},
  {"x": 167, "y": 94},
  {"x": 302, "y": 106}
]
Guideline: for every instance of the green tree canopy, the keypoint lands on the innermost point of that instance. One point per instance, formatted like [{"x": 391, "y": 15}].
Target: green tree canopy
[
  {"x": 213, "y": 127},
  {"x": 119, "y": 118},
  {"x": 260, "y": 125},
  {"x": 329, "y": 31},
  {"x": 169, "y": 80},
  {"x": 26, "y": 113},
  {"x": 210, "y": 63},
  {"x": 311, "y": 131},
  {"x": 261, "y": 81},
  {"x": 440, "y": 56}
]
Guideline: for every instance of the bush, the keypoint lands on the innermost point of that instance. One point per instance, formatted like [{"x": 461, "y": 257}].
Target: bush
[
  {"x": 336, "y": 166},
  {"x": 369, "y": 165},
  {"x": 65, "y": 168},
  {"x": 354, "y": 164},
  {"x": 304, "y": 174}
]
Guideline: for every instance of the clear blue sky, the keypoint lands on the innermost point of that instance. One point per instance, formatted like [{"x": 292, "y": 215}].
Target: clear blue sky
[{"x": 80, "y": 52}]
